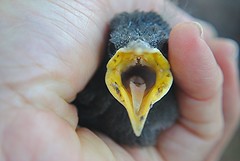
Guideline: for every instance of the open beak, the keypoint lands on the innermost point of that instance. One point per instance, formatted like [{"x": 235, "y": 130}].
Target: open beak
[{"x": 138, "y": 76}]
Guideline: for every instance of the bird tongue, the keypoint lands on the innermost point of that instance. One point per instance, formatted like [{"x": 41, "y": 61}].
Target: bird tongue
[{"x": 137, "y": 87}]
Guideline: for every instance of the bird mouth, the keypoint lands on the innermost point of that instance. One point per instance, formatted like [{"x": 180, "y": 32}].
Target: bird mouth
[
  {"x": 138, "y": 76},
  {"x": 138, "y": 80}
]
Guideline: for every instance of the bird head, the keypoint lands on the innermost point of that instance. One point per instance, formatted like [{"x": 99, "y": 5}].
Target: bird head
[{"x": 138, "y": 76}]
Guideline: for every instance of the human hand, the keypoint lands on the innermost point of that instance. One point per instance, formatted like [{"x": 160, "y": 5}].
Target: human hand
[{"x": 50, "y": 49}]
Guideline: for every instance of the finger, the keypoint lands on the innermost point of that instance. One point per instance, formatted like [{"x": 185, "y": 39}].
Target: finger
[
  {"x": 32, "y": 134},
  {"x": 225, "y": 52},
  {"x": 199, "y": 91},
  {"x": 197, "y": 75}
]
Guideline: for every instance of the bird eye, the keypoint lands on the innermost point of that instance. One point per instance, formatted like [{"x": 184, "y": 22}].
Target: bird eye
[
  {"x": 164, "y": 48},
  {"x": 111, "y": 49}
]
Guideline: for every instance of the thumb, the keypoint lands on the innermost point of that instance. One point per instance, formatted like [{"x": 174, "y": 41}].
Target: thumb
[{"x": 199, "y": 80}]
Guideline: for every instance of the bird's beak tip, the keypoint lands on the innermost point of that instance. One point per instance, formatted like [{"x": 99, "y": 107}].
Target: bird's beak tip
[
  {"x": 138, "y": 123},
  {"x": 137, "y": 130}
]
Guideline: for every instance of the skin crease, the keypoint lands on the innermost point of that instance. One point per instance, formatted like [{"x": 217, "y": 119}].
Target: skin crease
[{"x": 50, "y": 49}]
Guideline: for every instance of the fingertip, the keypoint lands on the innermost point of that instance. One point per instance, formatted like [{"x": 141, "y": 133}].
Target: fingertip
[
  {"x": 186, "y": 28},
  {"x": 224, "y": 48}
]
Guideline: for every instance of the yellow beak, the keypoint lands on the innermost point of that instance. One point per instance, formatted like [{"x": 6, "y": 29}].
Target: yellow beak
[{"x": 138, "y": 76}]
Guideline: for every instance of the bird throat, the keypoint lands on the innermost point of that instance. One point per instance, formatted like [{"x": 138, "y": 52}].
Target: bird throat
[{"x": 138, "y": 80}]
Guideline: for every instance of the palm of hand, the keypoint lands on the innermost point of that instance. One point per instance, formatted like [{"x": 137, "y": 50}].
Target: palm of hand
[{"x": 49, "y": 54}]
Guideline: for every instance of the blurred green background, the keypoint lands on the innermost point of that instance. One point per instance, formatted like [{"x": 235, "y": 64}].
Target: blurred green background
[{"x": 225, "y": 16}]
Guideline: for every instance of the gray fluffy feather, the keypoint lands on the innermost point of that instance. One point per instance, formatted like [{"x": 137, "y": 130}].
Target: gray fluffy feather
[{"x": 148, "y": 27}]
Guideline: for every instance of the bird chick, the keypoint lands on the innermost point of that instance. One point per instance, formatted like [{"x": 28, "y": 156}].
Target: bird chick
[{"x": 131, "y": 98}]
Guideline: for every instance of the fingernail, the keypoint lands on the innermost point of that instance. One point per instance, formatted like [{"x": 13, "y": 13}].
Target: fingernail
[
  {"x": 209, "y": 30},
  {"x": 200, "y": 28},
  {"x": 193, "y": 25}
]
